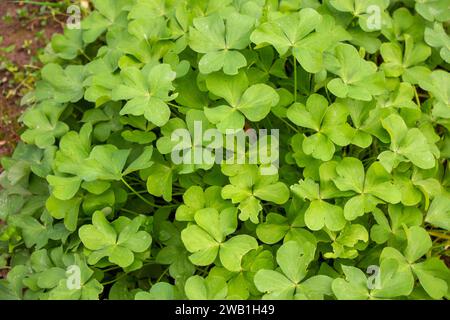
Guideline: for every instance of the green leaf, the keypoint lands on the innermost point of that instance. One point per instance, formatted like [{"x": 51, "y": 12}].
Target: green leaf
[
  {"x": 248, "y": 187},
  {"x": 219, "y": 39},
  {"x": 328, "y": 121},
  {"x": 211, "y": 288},
  {"x": 108, "y": 240},
  {"x": 353, "y": 287},
  {"x": 147, "y": 92},
  {"x": 232, "y": 251},
  {"x": 293, "y": 260},
  {"x": 43, "y": 124},
  {"x": 254, "y": 102},
  {"x": 159, "y": 291},
  {"x": 434, "y": 277},
  {"x": 61, "y": 85},
  {"x": 358, "y": 79},
  {"x": 68, "y": 45},
  {"x": 64, "y": 188},
  {"x": 159, "y": 182},
  {"x": 65, "y": 209},
  {"x": 419, "y": 243},
  {"x": 439, "y": 212},
  {"x": 105, "y": 162},
  {"x": 323, "y": 214},
  {"x": 438, "y": 38},
  {"x": 406, "y": 145},
  {"x": 141, "y": 162},
  {"x": 295, "y": 31}
]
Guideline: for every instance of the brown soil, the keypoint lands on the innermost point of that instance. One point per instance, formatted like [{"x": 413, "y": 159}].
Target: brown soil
[{"x": 20, "y": 31}]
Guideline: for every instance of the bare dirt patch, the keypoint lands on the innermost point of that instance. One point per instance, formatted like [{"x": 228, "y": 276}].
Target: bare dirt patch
[{"x": 24, "y": 31}]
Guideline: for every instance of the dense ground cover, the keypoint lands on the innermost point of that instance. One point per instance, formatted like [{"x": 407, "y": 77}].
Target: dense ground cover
[{"x": 95, "y": 203}]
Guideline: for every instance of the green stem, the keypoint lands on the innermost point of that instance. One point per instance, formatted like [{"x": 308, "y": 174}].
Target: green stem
[
  {"x": 139, "y": 195},
  {"x": 289, "y": 125},
  {"x": 114, "y": 280},
  {"x": 85, "y": 55},
  {"x": 143, "y": 191},
  {"x": 39, "y": 3},
  {"x": 328, "y": 94},
  {"x": 130, "y": 211},
  {"x": 295, "y": 79},
  {"x": 174, "y": 105},
  {"x": 111, "y": 269},
  {"x": 162, "y": 275},
  {"x": 417, "y": 97},
  {"x": 439, "y": 235}
]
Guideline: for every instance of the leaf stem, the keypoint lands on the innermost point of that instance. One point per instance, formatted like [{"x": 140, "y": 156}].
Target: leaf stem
[
  {"x": 175, "y": 106},
  {"x": 85, "y": 55},
  {"x": 295, "y": 79},
  {"x": 130, "y": 211},
  {"x": 289, "y": 125},
  {"x": 439, "y": 235},
  {"x": 139, "y": 195},
  {"x": 115, "y": 279},
  {"x": 417, "y": 97},
  {"x": 162, "y": 274}
]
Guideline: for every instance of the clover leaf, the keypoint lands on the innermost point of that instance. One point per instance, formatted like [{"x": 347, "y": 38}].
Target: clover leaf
[
  {"x": 330, "y": 123},
  {"x": 38, "y": 234},
  {"x": 159, "y": 181},
  {"x": 438, "y": 213},
  {"x": 241, "y": 284},
  {"x": 308, "y": 162},
  {"x": 61, "y": 85},
  {"x": 174, "y": 253},
  {"x": 103, "y": 162},
  {"x": 248, "y": 187},
  {"x": 118, "y": 241},
  {"x": 147, "y": 92},
  {"x": 89, "y": 287},
  {"x": 438, "y": 38},
  {"x": 406, "y": 64},
  {"x": 68, "y": 45},
  {"x": 159, "y": 291},
  {"x": 407, "y": 145},
  {"x": 43, "y": 124},
  {"x": 296, "y": 32},
  {"x": 293, "y": 260},
  {"x": 64, "y": 209},
  {"x": 49, "y": 271},
  {"x": 363, "y": 10},
  {"x": 277, "y": 227},
  {"x": 253, "y": 103},
  {"x": 433, "y": 10},
  {"x": 432, "y": 273},
  {"x": 195, "y": 199},
  {"x": 109, "y": 13},
  {"x": 437, "y": 84},
  {"x": 101, "y": 78},
  {"x": 416, "y": 185},
  {"x": 220, "y": 39},
  {"x": 351, "y": 239},
  {"x": 181, "y": 139},
  {"x": 207, "y": 239},
  {"x": 358, "y": 78},
  {"x": 209, "y": 288},
  {"x": 319, "y": 213},
  {"x": 372, "y": 187},
  {"x": 391, "y": 230},
  {"x": 394, "y": 281}
]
